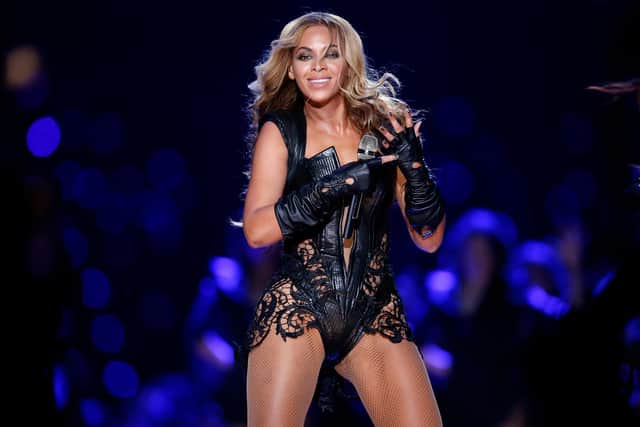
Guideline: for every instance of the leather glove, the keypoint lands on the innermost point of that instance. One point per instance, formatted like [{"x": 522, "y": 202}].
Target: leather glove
[
  {"x": 312, "y": 203},
  {"x": 424, "y": 206}
]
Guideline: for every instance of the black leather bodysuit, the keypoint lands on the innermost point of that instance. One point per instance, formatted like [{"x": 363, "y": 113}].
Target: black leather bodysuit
[{"x": 313, "y": 288}]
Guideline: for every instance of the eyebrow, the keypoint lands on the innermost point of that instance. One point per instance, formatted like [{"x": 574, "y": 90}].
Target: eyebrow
[{"x": 309, "y": 49}]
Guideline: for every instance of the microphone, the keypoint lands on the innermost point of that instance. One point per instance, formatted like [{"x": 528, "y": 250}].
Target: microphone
[{"x": 367, "y": 149}]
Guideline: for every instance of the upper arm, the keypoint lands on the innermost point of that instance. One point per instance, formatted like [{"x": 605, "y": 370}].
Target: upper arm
[{"x": 268, "y": 169}]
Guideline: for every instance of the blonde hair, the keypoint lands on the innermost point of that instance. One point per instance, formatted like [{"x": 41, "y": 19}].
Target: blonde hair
[{"x": 368, "y": 97}]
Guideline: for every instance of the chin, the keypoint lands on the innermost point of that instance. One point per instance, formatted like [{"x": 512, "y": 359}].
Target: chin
[{"x": 319, "y": 100}]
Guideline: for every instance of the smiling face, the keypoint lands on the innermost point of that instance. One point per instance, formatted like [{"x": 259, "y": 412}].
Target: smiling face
[{"x": 318, "y": 65}]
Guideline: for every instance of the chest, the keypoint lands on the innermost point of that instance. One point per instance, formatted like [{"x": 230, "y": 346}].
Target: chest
[{"x": 346, "y": 145}]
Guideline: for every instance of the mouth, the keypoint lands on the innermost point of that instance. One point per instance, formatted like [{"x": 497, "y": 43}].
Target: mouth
[{"x": 318, "y": 82}]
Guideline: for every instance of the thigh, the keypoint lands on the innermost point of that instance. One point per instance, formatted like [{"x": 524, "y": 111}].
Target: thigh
[
  {"x": 392, "y": 382},
  {"x": 281, "y": 379}
]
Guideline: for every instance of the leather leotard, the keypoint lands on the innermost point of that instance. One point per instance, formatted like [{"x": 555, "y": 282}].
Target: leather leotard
[{"x": 312, "y": 287}]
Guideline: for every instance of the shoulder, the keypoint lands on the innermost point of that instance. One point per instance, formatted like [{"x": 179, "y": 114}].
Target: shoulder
[{"x": 282, "y": 119}]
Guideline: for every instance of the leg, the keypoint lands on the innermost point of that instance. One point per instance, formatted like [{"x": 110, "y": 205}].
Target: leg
[
  {"x": 392, "y": 382},
  {"x": 281, "y": 379}
]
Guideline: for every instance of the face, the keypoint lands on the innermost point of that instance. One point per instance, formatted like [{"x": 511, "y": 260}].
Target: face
[{"x": 318, "y": 65}]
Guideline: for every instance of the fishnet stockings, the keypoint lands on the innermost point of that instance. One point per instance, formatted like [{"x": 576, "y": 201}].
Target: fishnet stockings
[
  {"x": 392, "y": 382},
  {"x": 281, "y": 379}
]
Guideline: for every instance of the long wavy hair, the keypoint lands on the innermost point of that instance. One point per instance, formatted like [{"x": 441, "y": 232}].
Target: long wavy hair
[{"x": 369, "y": 97}]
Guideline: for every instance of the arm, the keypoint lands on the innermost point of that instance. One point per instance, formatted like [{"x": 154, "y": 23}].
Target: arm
[
  {"x": 268, "y": 177},
  {"x": 417, "y": 190},
  {"x": 428, "y": 244},
  {"x": 270, "y": 216}
]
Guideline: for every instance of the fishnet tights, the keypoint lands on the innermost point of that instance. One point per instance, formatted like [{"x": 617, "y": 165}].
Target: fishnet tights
[
  {"x": 392, "y": 382},
  {"x": 281, "y": 379},
  {"x": 390, "y": 379}
]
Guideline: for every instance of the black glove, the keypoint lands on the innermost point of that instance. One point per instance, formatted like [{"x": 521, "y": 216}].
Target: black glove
[
  {"x": 307, "y": 206},
  {"x": 423, "y": 204}
]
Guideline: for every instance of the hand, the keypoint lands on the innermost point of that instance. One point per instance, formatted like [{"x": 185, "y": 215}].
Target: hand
[
  {"x": 424, "y": 206},
  {"x": 354, "y": 177},
  {"x": 312, "y": 203},
  {"x": 405, "y": 142}
]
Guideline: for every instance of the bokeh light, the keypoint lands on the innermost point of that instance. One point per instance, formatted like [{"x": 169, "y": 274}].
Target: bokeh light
[
  {"x": 219, "y": 350},
  {"x": 22, "y": 65},
  {"x": 93, "y": 412},
  {"x": 440, "y": 286},
  {"x": 120, "y": 379},
  {"x": 228, "y": 274},
  {"x": 60, "y": 387},
  {"x": 43, "y": 137}
]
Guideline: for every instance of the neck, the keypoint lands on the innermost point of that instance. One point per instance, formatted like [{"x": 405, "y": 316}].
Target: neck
[{"x": 330, "y": 117}]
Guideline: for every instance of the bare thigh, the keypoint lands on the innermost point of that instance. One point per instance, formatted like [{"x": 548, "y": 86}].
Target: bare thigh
[
  {"x": 281, "y": 379},
  {"x": 392, "y": 382}
]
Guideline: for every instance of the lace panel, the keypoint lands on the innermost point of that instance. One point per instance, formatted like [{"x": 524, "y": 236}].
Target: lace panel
[
  {"x": 390, "y": 321},
  {"x": 376, "y": 268},
  {"x": 298, "y": 290}
]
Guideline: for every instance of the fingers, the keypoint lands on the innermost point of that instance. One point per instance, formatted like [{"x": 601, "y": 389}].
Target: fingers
[
  {"x": 379, "y": 161},
  {"x": 395, "y": 123},
  {"x": 388, "y": 158},
  {"x": 385, "y": 132}
]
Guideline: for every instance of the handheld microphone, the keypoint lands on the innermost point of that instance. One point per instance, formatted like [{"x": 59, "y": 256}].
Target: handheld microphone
[{"x": 367, "y": 149}]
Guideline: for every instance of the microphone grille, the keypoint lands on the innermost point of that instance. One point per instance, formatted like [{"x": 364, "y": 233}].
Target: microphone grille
[{"x": 368, "y": 147}]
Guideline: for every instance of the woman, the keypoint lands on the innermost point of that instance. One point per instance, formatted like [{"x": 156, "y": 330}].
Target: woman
[{"x": 332, "y": 303}]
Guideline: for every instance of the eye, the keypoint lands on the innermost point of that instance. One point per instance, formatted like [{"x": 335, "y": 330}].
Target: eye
[
  {"x": 304, "y": 57},
  {"x": 333, "y": 54}
]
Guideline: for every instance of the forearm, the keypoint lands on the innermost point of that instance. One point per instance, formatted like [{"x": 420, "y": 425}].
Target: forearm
[
  {"x": 424, "y": 206},
  {"x": 428, "y": 242}
]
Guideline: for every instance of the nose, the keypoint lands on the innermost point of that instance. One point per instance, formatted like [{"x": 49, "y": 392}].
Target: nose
[{"x": 318, "y": 64}]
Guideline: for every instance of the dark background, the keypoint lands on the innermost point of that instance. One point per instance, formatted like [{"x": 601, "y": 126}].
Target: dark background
[{"x": 509, "y": 127}]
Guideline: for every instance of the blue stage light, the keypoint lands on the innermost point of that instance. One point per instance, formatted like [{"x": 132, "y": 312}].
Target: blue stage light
[
  {"x": 43, "y": 137},
  {"x": 120, "y": 379},
  {"x": 93, "y": 412},
  {"x": 227, "y": 273},
  {"x": 60, "y": 387}
]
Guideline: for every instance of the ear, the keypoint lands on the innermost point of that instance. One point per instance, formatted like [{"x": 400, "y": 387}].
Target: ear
[{"x": 290, "y": 72}]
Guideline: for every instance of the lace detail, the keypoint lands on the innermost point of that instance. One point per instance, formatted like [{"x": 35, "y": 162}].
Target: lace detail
[
  {"x": 375, "y": 269},
  {"x": 297, "y": 293},
  {"x": 390, "y": 321}
]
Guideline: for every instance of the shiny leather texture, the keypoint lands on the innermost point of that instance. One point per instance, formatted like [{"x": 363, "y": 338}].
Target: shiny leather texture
[
  {"x": 424, "y": 205},
  {"x": 314, "y": 286}
]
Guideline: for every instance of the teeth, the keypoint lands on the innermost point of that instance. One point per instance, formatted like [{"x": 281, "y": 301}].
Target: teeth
[{"x": 319, "y": 80}]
